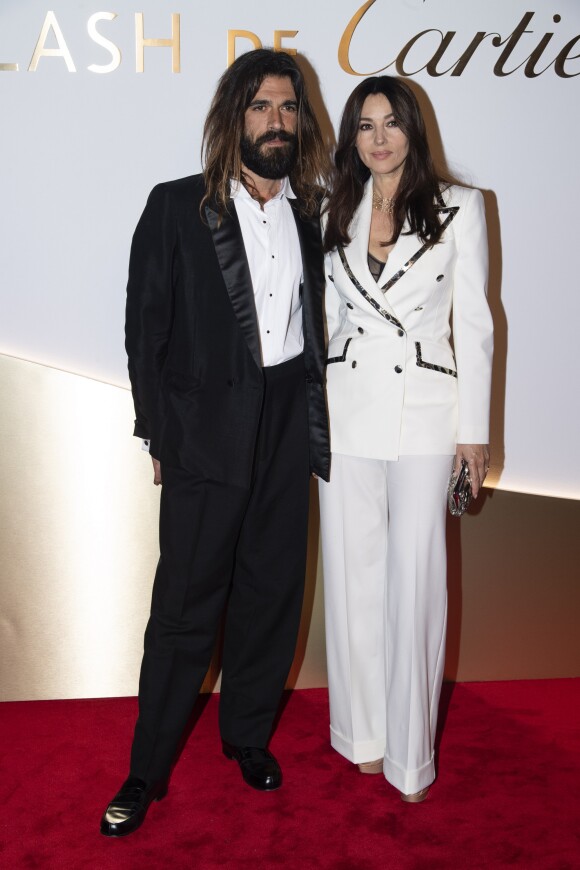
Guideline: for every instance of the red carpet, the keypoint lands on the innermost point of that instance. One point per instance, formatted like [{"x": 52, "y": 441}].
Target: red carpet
[{"x": 507, "y": 793}]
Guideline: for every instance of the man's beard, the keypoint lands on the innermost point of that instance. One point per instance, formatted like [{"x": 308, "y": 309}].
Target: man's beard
[{"x": 276, "y": 162}]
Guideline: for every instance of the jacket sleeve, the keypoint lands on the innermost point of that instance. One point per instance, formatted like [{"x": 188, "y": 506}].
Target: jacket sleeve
[
  {"x": 149, "y": 311},
  {"x": 472, "y": 324}
]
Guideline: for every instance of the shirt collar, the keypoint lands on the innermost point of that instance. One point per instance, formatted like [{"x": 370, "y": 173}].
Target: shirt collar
[{"x": 237, "y": 190}]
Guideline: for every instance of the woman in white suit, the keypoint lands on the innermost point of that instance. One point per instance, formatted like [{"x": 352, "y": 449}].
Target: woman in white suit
[{"x": 407, "y": 260}]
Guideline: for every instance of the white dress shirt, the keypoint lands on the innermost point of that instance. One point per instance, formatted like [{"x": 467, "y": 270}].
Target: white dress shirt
[{"x": 275, "y": 260}]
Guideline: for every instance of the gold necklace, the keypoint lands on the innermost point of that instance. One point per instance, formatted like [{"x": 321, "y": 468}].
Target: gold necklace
[{"x": 384, "y": 204}]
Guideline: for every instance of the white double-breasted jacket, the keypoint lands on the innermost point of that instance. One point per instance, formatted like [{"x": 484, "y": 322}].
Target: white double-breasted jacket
[{"x": 395, "y": 384}]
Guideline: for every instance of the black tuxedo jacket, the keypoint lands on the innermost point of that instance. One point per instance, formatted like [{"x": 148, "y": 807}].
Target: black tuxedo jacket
[{"x": 192, "y": 336}]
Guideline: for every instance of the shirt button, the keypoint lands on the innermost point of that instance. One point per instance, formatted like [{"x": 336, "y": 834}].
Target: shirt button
[
  {"x": 349, "y": 305},
  {"x": 398, "y": 369},
  {"x": 400, "y": 333},
  {"x": 361, "y": 330},
  {"x": 354, "y": 364},
  {"x": 440, "y": 277}
]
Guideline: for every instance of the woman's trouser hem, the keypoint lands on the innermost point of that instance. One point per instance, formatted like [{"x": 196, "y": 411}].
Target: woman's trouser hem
[
  {"x": 360, "y": 752},
  {"x": 409, "y": 781}
]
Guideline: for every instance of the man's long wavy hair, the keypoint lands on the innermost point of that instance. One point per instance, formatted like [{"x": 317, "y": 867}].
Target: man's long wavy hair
[
  {"x": 225, "y": 124},
  {"x": 419, "y": 186}
]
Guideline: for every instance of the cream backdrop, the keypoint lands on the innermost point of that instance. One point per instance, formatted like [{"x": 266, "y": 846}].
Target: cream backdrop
[{"x": 101, "y": 101}]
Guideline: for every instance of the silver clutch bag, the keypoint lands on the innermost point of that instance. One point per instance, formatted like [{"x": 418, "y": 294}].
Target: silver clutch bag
[{"x": 459, "y": 491}]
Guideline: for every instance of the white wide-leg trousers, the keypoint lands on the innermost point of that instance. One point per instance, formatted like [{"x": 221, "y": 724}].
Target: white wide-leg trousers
[{"x": 385, "y": 590}]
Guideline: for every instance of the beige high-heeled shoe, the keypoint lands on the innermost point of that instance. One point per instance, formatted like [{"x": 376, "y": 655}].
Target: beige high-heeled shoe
[
  {"x": 417, "y": 797},
  {"x": 371, "y": 766}
]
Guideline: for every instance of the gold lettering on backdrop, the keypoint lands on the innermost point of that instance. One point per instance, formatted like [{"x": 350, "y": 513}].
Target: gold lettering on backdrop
[
  {"x": 240, "y": 34},
  {"x": 532, "y": 59},
  {"x": 105, "y": 43},
  {"x": 173, "y": 43},
  {"x": 529, "y": 64},
  {"x": 564, "y": 56},
  {"x": 50, "y": 23},
  {"x": 514, "y": 54},
  {"x": 279, "y": 35},
  {"x": 431, "y": 66},
  {"x": 510, "y": 44},
  {"x": 344, "y": 45},
  {"x": 402, "y": 56},
  {"x": 458, "y": 67}
]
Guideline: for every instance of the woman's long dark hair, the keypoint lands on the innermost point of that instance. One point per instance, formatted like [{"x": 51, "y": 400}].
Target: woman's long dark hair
[
  {"x": 419, "y": 185},
  {"x": 224, "y": 128}
]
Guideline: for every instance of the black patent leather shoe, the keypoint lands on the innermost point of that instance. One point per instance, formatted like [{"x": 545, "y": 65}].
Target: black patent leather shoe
[
  {"x": 259, "y": 767},
  {"x": 128, "y": 808}
]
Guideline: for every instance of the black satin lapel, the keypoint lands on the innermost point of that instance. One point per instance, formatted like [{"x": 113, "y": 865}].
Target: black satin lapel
[
  {"x": 313, "y": 285},
  {"x": 231, "y": 254},
  {"x": 309, "y": 235}
]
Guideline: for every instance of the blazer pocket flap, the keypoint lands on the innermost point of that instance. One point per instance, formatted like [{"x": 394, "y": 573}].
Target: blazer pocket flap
[
  {"x": 338, "y": 350},
  {"x": 436, "y": 358}
]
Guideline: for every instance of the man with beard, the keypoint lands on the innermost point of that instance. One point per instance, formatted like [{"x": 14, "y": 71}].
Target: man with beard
[{"x": 225, "y": 342}]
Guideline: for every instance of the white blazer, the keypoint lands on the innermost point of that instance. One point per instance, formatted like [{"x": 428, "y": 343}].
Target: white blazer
[{"x": 395, "y": 385}]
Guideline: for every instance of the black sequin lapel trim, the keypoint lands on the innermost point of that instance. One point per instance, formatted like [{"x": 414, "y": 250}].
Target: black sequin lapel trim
[
  {"x": 362, "y": 290},
  {"x": 451, "y": 211}
]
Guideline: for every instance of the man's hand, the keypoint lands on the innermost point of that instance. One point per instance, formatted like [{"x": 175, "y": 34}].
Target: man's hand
[{"x": 156, "y": 471}]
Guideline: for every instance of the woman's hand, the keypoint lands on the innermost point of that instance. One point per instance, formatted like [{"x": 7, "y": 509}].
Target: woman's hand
[{"x": 477, "y": 458}]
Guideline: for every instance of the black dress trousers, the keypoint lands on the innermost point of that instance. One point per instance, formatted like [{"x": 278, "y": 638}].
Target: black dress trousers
[{"x": 244, "y": 548}]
